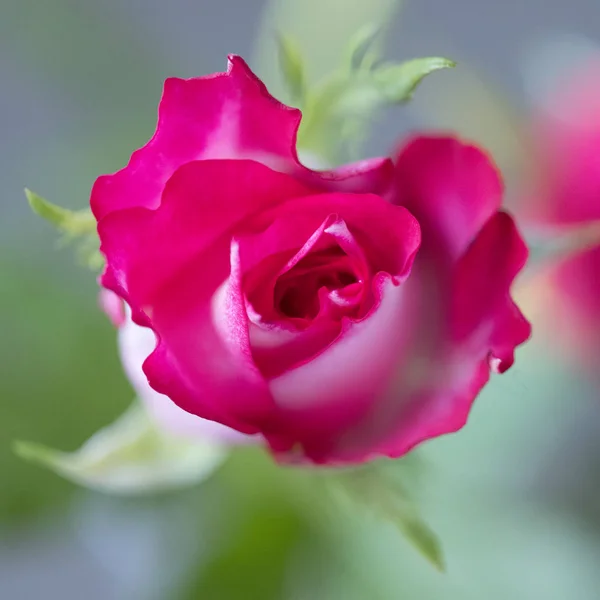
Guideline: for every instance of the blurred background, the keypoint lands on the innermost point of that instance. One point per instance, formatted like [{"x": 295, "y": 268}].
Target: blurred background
[{"x": 514, "y": 497}]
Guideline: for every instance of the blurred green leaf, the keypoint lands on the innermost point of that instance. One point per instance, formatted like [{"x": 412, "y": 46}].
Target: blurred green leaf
[
  {"x": 338, "y": 111},
  {"x": 361, "y": 48},
  {"x": 385, "y": 494},
  {"x": 322, "y": 29},
  {"x": 71, "y": 222},
  {"x": 61, "y": 349},
  {"x": 77, "y": 225},
  {"x": 130, "y": 456},
  {"x": 264, "y": 524},
  {"x": 253, "y": 564},
  {"x": 292, "y": 67},
  {"x": 397, "y": 82}
]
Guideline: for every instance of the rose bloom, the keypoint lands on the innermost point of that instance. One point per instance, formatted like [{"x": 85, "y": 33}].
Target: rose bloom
[
  {"x": 563, "y": 191},
  {"x": 338, "y": 315}
]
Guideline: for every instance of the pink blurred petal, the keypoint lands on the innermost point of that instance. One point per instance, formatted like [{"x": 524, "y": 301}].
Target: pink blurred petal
[{"x": 562, "y": 192}]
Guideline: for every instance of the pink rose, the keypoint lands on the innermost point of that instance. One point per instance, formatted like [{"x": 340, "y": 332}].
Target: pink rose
[
  {"x": 564, "y": 191},
  {"x": 341, "y": 315}
]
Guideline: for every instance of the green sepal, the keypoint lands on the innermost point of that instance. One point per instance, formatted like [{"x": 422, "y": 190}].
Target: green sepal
[
  {"x": 292, "y": 68},
  {"x": 74, "y": 225},
  {"x": 339, "y": 109},
  {"x": 71, "y": 222},
  {"x": 362, "y": 49},
  {"x": 382, "y": 489},
  {"x": 130, "y": 456},
  {"x": 397, "y": 82}
]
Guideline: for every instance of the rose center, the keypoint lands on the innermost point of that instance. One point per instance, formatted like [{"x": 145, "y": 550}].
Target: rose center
[{"x": 325, "y": 276}]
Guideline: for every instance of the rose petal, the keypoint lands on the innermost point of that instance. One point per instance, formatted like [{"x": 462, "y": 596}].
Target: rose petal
[
  {"x": 276, "y": 346},
  {"x": 452, "y": 189},
  {"x": 437, "y": 382},
  {"x": 421, "y": 363},
  {"x": 202, "y": 202},
  {"x": 389, "y": 235},
  {"x": 170, "y": 262},
  {"x": 225, "y": 115},
  {"x": 202, "y": 361},
  {"x": 483, "y": 312},
  {"x": 135, "y": 345},
  {"x": 340, "y": 384}
]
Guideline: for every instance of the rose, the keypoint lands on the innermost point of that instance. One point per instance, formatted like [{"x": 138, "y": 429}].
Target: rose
[
  {"x": 341, "y": 315},
  {"x": 562, "y": 193}
]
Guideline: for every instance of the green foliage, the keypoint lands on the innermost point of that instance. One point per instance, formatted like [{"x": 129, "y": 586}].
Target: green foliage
[
  {"x": 130, "y": 456},
  {"x": 77, "y": 225},
  {"x": 322, "y": 29},
  {"x": 292, "y": 68},
  {"x": 338, "y": 110},
  {"x": 71, "y": 222},
  {"x": 61, "y": 378},
  {"x": 383, "y": 490},
  {"x": 262, "y": 524},
  {"x": 397, "y": 82},
  {"x": 362, "y": 49},
  {"x": 252, "y": 564}
]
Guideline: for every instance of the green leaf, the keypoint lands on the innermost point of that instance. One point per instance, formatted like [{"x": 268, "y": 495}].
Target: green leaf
[
  {"x": 385, "y": 494},
  {"x": 71, "y": 222},
  {"x": 130, "y": 456},
  {"x": 362, "y": 51},
  {"x": 74, "y": 357},
  {"x": 259, "y": 551},
  {"x": 322, "y": 29},
  {"x": 292, "y": 67},
  {"x": 338, "y": 111},
  {"x": 397, "y": 82},
  {"x": 77, "y": 225}
]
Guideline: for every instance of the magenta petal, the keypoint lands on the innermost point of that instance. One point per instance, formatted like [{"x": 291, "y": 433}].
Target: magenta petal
[
  {"x": 453, "y": 323},
  {"x": 389, "y": 235},
  {"x": 482, "y": 308},
  {"x": 203, "y": 201},
  {"x": 484, "y": 330},
  {"x": 202, "y": 361},
  {"x": 169, "y": 264},
  {"x": 452, "y": 188},
  {"x": 276, "y": 345},
  {"x": 369, "y": 176},
  {"x": 323, "y": 398},
  {"x": 135, "y": 345},
  {"x": 223, "y": 116},
  {"x": 435, "y": 410},
  {"x": 227, "y": 115}
]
